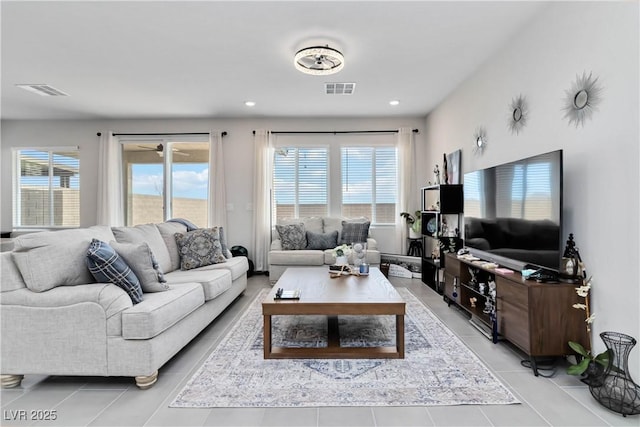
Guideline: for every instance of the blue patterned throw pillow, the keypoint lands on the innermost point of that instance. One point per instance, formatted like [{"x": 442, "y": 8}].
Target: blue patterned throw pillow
[
  {"x": 199, "y": 247},
  {"x": 107, "y": 266},
  {"x": 354, "y": 232},
  {"x": 292, "y": 236}
]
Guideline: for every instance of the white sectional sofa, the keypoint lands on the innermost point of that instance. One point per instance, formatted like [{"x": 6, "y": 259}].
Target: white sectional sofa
[
  {"x": 281, "y": 259},
  {"x": 56, "y": 320}
]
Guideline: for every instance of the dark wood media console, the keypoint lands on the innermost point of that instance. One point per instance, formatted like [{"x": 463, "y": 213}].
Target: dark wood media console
[{"x": 538, "y": 318}]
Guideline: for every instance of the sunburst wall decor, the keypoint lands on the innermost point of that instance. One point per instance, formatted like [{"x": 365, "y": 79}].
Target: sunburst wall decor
[
  {"x": 479, "y": 140},
  {"x": 582, "y": 99},
  {"x": 518, "y": 114}
]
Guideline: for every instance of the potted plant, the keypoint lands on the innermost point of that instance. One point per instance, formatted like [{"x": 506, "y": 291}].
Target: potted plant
[
  {"x": 591, "y": 365},
  {"x": 414, "y": 222},
  {"x": 341, "y": 253}
]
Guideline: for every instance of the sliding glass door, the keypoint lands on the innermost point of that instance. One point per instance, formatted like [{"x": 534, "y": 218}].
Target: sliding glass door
[{"x": 166, "y": 179}]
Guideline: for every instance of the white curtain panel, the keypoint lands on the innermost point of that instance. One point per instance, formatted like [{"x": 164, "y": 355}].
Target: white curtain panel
[
  {"x": 110, "y": 201},
  {"x": 262, "y": 198},
  {"x": 217, "y": 194},
  {"x": 407, "y": 191}
]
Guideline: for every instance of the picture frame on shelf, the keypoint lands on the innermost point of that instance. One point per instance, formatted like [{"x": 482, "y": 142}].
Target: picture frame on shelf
[{"x": 453, "y": 167}]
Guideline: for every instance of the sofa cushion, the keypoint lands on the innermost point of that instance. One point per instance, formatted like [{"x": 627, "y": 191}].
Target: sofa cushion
[
  {"x": 322, "y": 241},
  {"x": 143, "y": 263},
  {"x": 10, "y": 277},
  {"x": 107, "y": 266},
  {"x": 238, "y": 266},
  {"x": 199, "y": 247},
  {"x": 353, "y": 232},
  {"x": 214, "y": 282},
  {"x": 168, "y": 232},
  {"x": 292, "y": 236},
  {"x": 161, "y": 310},
  {"x": 56, "y": 258},
  {"x": 301, "y": 257},
  {"x": 150, "y": 234},
  {"x": 314, "y": 224}
]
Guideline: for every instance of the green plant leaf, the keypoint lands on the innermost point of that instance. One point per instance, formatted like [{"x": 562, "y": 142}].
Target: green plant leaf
[
  {"x": 579, "y": 368},
  {"x": 603, "y": 358},
  {"x": 578, "y": 348}
]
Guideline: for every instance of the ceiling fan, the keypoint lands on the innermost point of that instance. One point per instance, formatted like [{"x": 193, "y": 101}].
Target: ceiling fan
[{"x": 160, "y": 150}]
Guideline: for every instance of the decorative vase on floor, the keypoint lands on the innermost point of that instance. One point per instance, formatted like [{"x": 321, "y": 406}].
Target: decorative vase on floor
[{"x": 615, "y": 389}]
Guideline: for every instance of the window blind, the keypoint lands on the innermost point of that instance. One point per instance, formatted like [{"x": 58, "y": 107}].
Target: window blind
[
  {"x": 369, "y": 183},
  {"x": 300, "y": 182}
]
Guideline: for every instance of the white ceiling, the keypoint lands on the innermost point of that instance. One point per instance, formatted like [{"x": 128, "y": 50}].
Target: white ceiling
[{"x": 205, "y": 59}]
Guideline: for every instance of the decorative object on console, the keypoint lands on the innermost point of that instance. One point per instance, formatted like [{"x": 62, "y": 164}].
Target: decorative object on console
[
  {"x": 518, "y": 114},
  {"x": 582, "y": 99},
  {"x": 453, "y": 167},
  {"x": 480, "y": 140},
  {"x": 445, "y": 166},
  {"x": 569, "y": 269},
  {"x": 436, "y": 175},
  {"x": 319, "y": 60}
]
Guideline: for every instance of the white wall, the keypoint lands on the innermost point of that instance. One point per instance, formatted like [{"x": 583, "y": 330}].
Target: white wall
[
  {"x": 601, "y": 159},
  {"x": 238, "y": 152}
]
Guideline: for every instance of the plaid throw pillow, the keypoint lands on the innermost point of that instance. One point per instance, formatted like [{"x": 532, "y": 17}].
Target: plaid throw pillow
[
  {"x": 107, "y": 266},
  {"x": 354, "y": 232}
]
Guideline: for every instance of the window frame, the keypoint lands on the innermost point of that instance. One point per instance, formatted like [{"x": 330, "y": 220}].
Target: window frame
[{"x": 16, "y": 198}]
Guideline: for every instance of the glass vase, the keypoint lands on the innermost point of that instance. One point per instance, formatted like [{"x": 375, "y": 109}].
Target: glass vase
[{"x": 616, "y": 389}]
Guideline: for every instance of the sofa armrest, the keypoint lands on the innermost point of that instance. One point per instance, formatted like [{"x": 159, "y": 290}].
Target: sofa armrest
[
  {"x": 372, "y": 244},
  {"x": 110, "y": 297},
  {"x": 276, "y": 245}
]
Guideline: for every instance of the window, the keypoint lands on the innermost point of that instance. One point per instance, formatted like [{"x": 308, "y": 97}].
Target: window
[
  {"x": 47, "y": 187},
  {"x": 369, "y": 183},
  {"x": 300, "y": 182},
  {"x": 166, "y": 179}
]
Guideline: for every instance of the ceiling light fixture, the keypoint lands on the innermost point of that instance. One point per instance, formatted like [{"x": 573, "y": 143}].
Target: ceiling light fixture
[
  {"x": 319, "y": 61},
  {"x": 250, "y": 104},
  {"x": 394, "y": 102}
]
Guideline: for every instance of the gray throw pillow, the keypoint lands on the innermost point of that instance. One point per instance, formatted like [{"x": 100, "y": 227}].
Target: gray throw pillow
[
  {"x": 353, "y": 232},
  {"x": 144, "y": 264},
  {"x": 292, "y": 236},
  {"x": 322, "y": 241},
  {"x": 199, "y": 248}
]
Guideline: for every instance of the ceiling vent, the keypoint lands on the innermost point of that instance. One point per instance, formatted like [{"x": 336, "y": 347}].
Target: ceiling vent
[
  {"x": 42, "y": 89},
  {"x": 339, "y": 88}
]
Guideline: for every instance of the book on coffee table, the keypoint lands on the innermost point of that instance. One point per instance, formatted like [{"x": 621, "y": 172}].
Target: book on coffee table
[{"x": 290, "y": 294}]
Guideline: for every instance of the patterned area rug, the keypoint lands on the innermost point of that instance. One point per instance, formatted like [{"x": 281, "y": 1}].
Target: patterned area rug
[{"x": 438, "y": 368}]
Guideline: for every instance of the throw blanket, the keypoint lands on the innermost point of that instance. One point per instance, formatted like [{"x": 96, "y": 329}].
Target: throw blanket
[{"x": 190, "y": 226}]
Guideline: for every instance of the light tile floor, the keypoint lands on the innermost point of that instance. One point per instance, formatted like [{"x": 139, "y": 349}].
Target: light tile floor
[{"x": 79, "y": 401}]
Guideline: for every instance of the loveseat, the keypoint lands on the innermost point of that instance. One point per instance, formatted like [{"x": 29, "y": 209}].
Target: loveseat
[
  {"x": 58, "y": 320},
  {"x": 321, "y": 236}
]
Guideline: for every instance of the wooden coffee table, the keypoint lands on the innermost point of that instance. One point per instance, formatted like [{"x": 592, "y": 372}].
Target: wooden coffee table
[{"x": 345, "y": 295}]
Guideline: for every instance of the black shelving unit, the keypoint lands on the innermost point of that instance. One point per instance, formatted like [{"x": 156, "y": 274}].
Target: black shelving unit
[{"x": 442, "y": 208}]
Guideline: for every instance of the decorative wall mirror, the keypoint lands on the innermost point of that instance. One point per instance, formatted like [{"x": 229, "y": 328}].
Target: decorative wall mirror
[
  {"x": 582, "y": 99},
  {"x": 480, "y": 140},
  {"x": 518, "y": 114}
]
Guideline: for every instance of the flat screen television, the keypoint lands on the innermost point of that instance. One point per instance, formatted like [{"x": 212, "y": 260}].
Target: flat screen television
[{"x": 513, "y": 213}]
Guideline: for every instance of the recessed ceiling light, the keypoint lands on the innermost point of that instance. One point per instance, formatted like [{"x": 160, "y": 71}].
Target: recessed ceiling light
[
  {"x": 250, "y": 104},
  {"x": 394, "y": 102}
]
